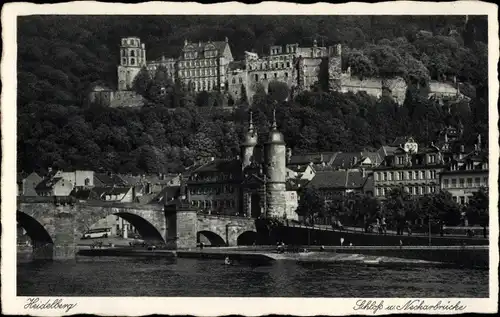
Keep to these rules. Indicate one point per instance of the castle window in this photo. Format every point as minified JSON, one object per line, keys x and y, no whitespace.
{"x":240,"y":80}
{"x":282,"y":65}
{"x":124,"y":61}
{"x":256,"y":77}
{"x":286,"y":75}
{"x":132,"y":61}
{"x":265,"y":76}
{"x":234,"y":80}
{"x":277,"y":65}
{"x":132,"y":53}
{"x":275,"y":75}
{"x":124,"y":53}
{"x":287,"y":64}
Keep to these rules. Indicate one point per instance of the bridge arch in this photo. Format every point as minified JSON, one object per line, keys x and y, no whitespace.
{"x":41,"y":240}
{"x":145,"y":228}
{"x":247,"y":238}
{"x":210,"y":238}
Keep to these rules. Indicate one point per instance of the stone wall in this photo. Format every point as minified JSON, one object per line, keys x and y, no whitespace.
{"x":126,"y":99}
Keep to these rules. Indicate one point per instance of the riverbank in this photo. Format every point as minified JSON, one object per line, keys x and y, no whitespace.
{"x":468,"y":256}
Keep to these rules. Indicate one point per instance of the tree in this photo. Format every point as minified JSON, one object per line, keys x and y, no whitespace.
{"x":142,"y":82}
{"x":278,"y":91}
{"x":478,"y":209}
{"x":360,"y":64}
{"x":311,"y":204}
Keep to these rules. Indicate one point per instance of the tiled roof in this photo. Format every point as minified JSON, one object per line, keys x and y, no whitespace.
{"x":220,"y":165}
{"x":386,"y":150}
{"x":48,"y":183}
{"x":337,"y":179}
{"x":299,"y":168}
{"x":109,"y":180}
{"x":101,"y":191}
{"x":200,"y":46}
{"x":315,"y":158}
{"x":296,"y":184}
{"x":236,"y":65}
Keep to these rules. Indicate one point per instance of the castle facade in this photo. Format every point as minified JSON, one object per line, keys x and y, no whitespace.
{"x":210,"y":66}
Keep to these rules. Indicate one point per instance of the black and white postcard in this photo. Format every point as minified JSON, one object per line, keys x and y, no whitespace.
{"x":275,"y":158}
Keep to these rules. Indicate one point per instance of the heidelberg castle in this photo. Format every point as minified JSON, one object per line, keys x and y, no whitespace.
{"x":210,"y":66}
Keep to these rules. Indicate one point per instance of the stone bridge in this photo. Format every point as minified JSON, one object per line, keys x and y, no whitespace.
{"x":56,"y":229}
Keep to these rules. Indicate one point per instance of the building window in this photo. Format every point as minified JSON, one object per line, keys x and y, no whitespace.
{"x":462,"y":182}
{"x":410,"y":175}
{"x":485,"y":180}
{"x":453,"y":182}
{"x":416,"y":175}
{"x":389,"y":176}
{"x":265,"y":76}
{"x":469,"y":182}
{"x":401,"y":176}
{"x":477,"y":182}
{"x":384,"y":176}
{"x":234,"y":80}
{"x":432,"y":158}
{"x":382,"y":190}
{"x":275,"y":75}
{"x":432,"y":174}
{"x":287,"y":64}
{"x":462,"y":200}
{"x":376,"y":176}
{"x":445,"y":183}
{"x":422,"y":190}
{"x":132,"y":61}
{"x":256,"y":77}
{"x":433,"y":189}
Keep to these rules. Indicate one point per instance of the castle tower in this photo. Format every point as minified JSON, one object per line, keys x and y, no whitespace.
{"x":275,"y":172}
{"x":249,"y":143}
{"x":132,"y":58}
{"x":335,"y":67}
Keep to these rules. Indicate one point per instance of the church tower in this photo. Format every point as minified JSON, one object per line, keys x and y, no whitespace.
{"x":132,"y":59}
{"x":248,"y":145}
{"x":275,"y":172}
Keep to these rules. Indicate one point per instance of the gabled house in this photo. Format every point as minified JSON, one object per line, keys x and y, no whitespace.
{"x":54,"y":186}
{"x":26,"y":185}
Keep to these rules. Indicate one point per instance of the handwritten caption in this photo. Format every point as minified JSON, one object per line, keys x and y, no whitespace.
{"x":375,"y":306}
{"x":56,"y":304}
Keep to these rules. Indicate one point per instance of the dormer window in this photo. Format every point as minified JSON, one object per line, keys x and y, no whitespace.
{"x":400,"y":160}
{"x":432,"y":158}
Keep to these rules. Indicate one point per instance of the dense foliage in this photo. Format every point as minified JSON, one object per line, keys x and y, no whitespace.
{"x":361,"y":210}
{"x":60,"y":57}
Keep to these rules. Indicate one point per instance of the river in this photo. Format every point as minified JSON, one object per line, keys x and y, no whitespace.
{"x":118,"y":276}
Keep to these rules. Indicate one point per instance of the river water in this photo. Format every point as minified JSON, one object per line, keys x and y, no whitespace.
{"x":113,"y":276}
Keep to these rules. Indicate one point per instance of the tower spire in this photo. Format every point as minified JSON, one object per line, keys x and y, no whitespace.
{"x":274,"y":125}
{"x":250,"y":121}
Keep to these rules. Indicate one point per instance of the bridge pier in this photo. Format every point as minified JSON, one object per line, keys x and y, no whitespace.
{"x":182,"y":223}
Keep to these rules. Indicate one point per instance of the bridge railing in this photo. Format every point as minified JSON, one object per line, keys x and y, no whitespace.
{"x":220,"y":215}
